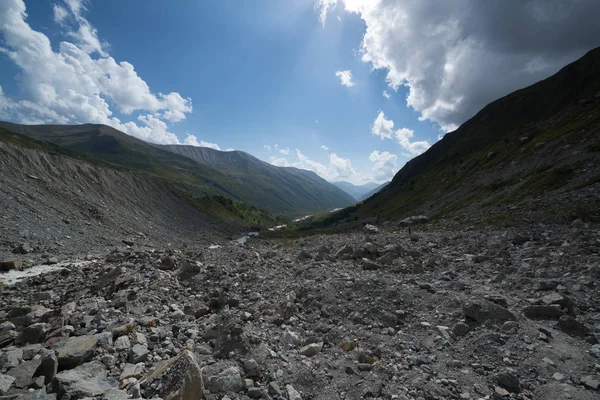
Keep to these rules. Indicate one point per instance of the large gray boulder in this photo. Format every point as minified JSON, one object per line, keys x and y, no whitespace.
{"x":76,"y":350}
{"x":87,"y":380}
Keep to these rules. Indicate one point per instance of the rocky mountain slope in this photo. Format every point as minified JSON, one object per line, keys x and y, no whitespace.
{"x":431,"y":315}
{"x":532,"y":154}
{"x":292,"y":189}
{"x":57,"y":204}
{"x":358,"y":192}
{"x":247,"y":179}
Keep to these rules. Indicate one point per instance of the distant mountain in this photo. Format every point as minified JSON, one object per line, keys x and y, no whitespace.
{"x":356,"y":191}
{"x":533,"y":155}
{"x":296,"y":189}
{"x":372,"y":192}
{"x":281,"y":191}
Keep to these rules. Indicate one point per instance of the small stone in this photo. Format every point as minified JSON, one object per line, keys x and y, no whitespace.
{"x":558,"y":376}
{"x":132,"y":371}
{"x":509,"y":381}
{"x":292,"y":393}
{"x":509,"y":326}
{"x":460,"y":329}
{"x":138,"y":353}
{"x":122,"y":343}
{"x":311,"y":349}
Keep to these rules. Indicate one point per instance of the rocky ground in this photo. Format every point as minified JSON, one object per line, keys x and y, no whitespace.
{"x":432,"y":314}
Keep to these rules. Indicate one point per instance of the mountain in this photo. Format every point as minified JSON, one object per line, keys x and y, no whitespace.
{"x":532,"y":155}
{"x":281,"y":191}
{"x":356,"y":191}
{"x":373,"y":191}
{"x":297,"y":190}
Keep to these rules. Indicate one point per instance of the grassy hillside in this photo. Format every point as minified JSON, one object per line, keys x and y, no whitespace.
{"x":533,"y":151}
{"x":291,"y":189}
{"x":218,"y":207}
{"x":116,"y":148}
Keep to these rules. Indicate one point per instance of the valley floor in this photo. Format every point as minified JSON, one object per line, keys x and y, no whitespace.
{"x":387,"y":315}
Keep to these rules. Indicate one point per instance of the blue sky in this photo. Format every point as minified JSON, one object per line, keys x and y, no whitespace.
{"x":260,"y":76}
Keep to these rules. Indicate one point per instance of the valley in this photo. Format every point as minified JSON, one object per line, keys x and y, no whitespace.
{"x":139,"y":270}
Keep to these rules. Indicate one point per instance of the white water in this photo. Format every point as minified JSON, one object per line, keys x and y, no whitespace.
{"x":11,"y":277}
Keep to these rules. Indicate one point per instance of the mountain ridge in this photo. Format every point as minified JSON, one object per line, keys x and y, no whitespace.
{"x":539,"y":140}
{"x":119,"y":149}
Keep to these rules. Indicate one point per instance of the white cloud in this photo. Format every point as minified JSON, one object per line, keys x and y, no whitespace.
{"x":285,"y":151}
{"x":457,"y":56}
{"x":324,"y":7}
{"x":338,"y":169}
{"x":266,"y":146}
{"x":325,"y":147}
{"x":386,"y":94}
{"x":384,"y":128}
{"x":385,"y":165}
{"x":192,"y":140}
{"x":79,"y":82}
{"x":345,"y":78}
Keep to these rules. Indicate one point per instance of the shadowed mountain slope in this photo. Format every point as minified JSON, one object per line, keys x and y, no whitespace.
{"x":534,"y":153}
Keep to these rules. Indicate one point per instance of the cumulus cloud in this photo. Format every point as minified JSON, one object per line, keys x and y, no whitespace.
{"x":192,"y":140}
{"x":345,"y":78}
{"x":386,"y":94}
{"x":385,"y":165}
{"x":80,"y":81}
{"x":325,"y":147}
{"x":384,"y":128}
{"x":457,"y":56}
{"x":285,"y":151}
{"x":338,"y":168}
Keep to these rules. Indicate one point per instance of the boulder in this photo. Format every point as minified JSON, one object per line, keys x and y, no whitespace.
{"x":181,"y":378}
{"x":34,"y":333}
{"x":484,"y":310}
{"x":10,"y":264}
{"x":543,"y":312}
{"x":228,"y":380}
{"x":6,"y":382}
{"x":572,"y":327}
{"x":24,"y":373}
{"x":370,"y":229}
{"x":11,"y":358}
{"x":87,"y":380}
{"x":311,"y":349}
{"x":76,"y":350}
{"x":413,"y":220}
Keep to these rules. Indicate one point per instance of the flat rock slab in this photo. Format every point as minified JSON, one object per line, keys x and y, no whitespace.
{"x":76,"y":350}
{"x":87,"y":380}
{"x":23,"y":373}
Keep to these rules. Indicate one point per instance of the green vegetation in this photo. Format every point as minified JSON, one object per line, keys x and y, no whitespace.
{"x":245,"y":179}
{"x":218,"y":207}
{"x":518,"y":147}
